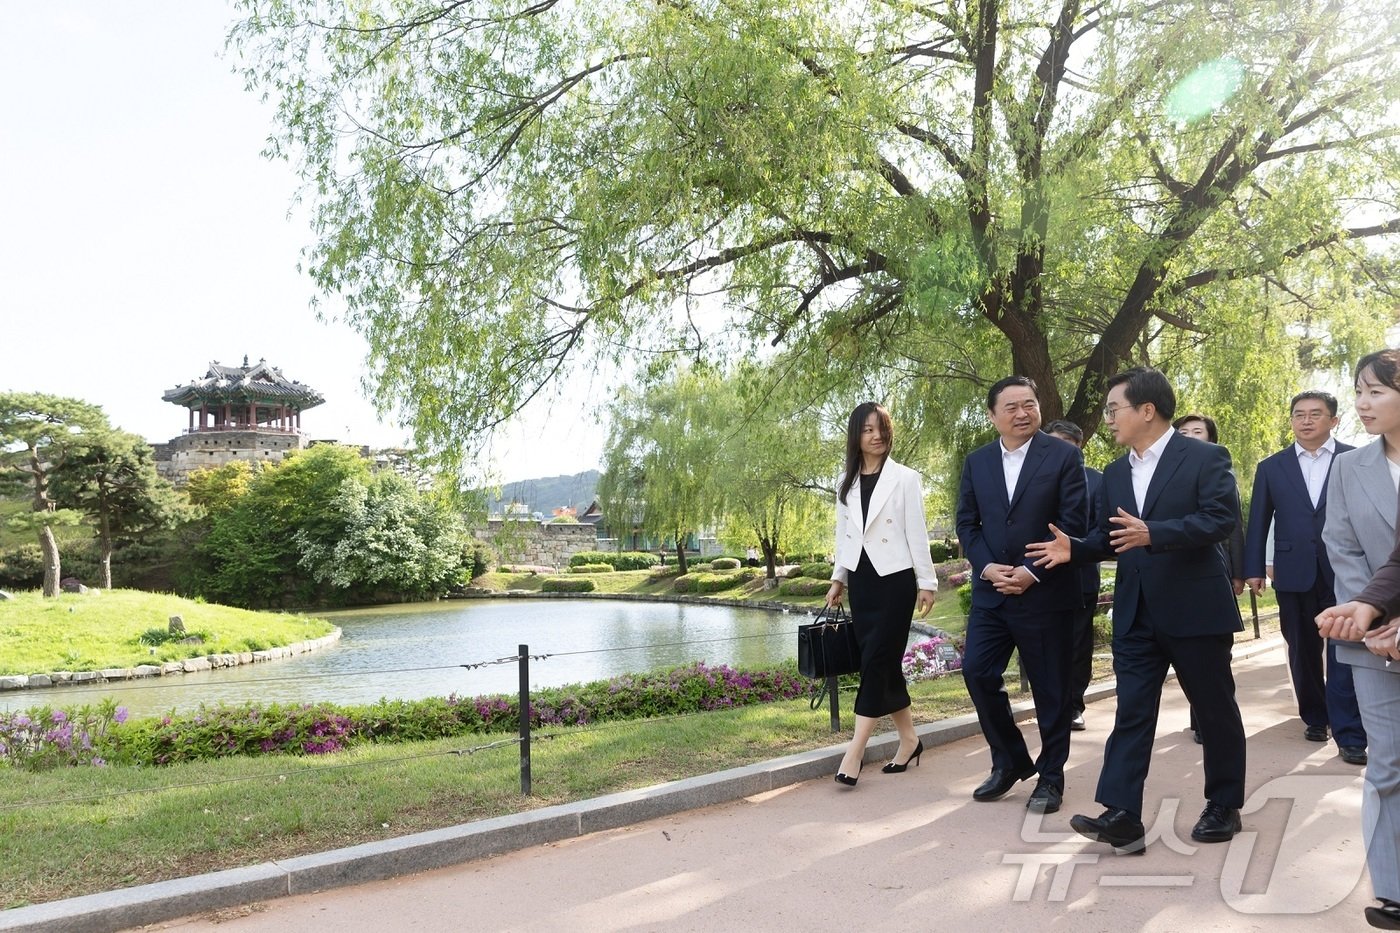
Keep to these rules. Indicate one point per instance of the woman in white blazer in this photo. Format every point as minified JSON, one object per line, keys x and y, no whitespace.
{"x":1359,"y":535}
{"x":882,"y":557}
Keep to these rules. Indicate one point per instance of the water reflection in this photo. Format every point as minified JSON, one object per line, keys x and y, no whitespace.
{"x":586,"y":640}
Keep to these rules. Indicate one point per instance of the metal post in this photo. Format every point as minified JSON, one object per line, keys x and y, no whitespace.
{"x":832,"y":692}
{"x":1254,"y":608}
{"x":525,"y":720}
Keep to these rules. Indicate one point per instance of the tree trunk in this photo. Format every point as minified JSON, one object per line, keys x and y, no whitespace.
{"x":51,"y":565}
{"x":770,"y":556}
{"x":680,"y":553}
{"x":105,"y":537}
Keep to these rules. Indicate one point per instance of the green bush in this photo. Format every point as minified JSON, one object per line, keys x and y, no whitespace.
{"x":725,"y":563}
{"x":483,"y":558}
{"x":567,"y":585}
{"x":302,"y":729}
{"x":941,"y":551}
{"x":804,"y":586}
{"x":625,"y":560}
{"x":727,"y":580}
{"x":685,"y":583}
{"x":658,"y":574}
{"x":22,"y":567}
{"x":590,"y":568}
{"x":820,"y":570}
{"x":965,"y":598}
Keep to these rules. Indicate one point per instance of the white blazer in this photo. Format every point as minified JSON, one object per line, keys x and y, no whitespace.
{"x":896,"y":535}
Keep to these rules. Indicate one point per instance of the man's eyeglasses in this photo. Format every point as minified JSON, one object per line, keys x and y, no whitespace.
{"x":1111,"y":411}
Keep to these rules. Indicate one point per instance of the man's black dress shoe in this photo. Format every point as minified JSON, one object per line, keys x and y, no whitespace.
{"x":1352,"y":754}
{"x":1217,"y":824}
{"x":1315,"y":733}
{"x":1196,"y":736}
{"x":1077,"y":723}
{"x":1000,"y":782}
{"x":1386,"y":916}
{"x":1115,"y":826}
{"x":1045,"y":798}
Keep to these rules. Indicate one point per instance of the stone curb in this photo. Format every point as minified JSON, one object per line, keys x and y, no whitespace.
{"x":374,"y":861}
{"x":188,"y":665}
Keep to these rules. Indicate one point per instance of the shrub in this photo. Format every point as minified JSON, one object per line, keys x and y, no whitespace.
{"x":22,"y":567}
{"x":626,"y":560}
{"x":965,"y":598}
{"x":725,"y":563}
{"x":945,"y":571}
{"x":941,"y":551}
{"x":483,"y":558}
{"x":717,"y":582}
{"x":590,"y":568}
{"x":804,"y":586}
{"x":820,"y":570}
{"x":252,"y":729}
{"x":658,"y":574}
{"x":532,"y":569}
{"x":567,"y":585}
{"x":45,"y":738}
{"x":922,"y":661}
{"x":685,"y":583}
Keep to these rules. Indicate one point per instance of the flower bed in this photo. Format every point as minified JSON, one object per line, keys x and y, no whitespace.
{"x":51,"y":738}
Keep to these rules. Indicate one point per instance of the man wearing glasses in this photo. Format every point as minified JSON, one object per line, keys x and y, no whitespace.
{"x":1164,"y":508}
{"x":1290,"y":492}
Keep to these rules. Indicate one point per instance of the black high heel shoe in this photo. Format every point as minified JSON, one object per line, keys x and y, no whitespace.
{"x":1386,"y":916}
{"x":844,"y":778}
{"x":893,"y":768}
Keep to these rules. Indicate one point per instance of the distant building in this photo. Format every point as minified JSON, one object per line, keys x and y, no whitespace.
{"x":236,"y":413}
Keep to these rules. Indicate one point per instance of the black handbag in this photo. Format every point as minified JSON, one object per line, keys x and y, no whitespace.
{"x":827,"y":646}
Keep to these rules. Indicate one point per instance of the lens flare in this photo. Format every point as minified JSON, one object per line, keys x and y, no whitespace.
{"x":1204,"y":90}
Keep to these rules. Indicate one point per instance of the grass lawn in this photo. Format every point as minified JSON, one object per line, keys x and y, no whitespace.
{"x":89,"y":631}
{"x":151,"y":824}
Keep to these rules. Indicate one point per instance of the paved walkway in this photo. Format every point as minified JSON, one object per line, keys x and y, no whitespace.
{"x":903,"y":851}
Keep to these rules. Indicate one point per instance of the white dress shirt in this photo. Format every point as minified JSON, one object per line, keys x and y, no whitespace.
{"x":1011,"y":463}
{"x":1315,"y":466}
{"x":1143,"y":467}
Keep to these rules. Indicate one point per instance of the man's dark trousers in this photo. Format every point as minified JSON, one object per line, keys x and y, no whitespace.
{"x":1141,"y":657}
{"x":1046,"y":648}
{"x":1321,"y":701}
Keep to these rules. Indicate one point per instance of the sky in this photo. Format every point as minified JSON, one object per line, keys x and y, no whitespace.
{"x":143,"y":235}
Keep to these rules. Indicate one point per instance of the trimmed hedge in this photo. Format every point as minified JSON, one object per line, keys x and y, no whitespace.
{"x":965,"y":598}
{"x":804,"y":586}
{"x":725,"y":563}
{"x":567,"y":585}
{"x":701,"y":581}
{"x":941,"y":551}
{"x":625,"y":560}
{"x":821,"y":570}
{"x":590,"y":568}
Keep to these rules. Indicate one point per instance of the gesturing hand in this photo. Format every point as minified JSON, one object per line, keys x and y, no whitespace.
{"x":1051,"y":553}
{"x":1131,"y":532}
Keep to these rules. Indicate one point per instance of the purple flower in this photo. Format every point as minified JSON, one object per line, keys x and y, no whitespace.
{"x":120,"y":715}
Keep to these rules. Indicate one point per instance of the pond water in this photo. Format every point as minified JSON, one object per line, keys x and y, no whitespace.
{"x":383,"y":651}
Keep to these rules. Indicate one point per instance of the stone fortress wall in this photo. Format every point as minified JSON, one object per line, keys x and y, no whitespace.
{"x":209,"y":450}
{"x":543,"y":544}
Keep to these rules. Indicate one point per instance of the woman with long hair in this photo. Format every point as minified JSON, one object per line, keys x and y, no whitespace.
{"x":882,"y":558}
{"x":1360,"y":535}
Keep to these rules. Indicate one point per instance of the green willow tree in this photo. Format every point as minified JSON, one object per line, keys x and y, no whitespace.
{"x":662,"y":467}
{"x":39,"y":434}
{"x":953,"y":189}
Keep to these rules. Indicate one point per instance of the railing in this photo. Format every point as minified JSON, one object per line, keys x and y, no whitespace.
{"x":261,"y":428}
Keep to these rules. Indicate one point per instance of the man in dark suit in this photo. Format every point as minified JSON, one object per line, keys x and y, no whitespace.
{"x":1082,"y":663}
{"x":1290,"y":493}
{"x":1011,"y":490}
{"x":1164,"y":508}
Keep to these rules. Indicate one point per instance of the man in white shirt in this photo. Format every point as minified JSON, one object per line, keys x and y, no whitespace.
{"x":1167,"y":505}
{"x":1290,"y":496}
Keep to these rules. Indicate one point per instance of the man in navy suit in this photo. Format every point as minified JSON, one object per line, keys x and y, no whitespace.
{"x":1164,"y":508}
{"x":1290,"y":492}
{"x":1082,"y":666}
{"x":1011,"y":490}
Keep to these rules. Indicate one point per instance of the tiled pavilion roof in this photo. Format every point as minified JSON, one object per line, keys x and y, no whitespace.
{"x":259,"y":383}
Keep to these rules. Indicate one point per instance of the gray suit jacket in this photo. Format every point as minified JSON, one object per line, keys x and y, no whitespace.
{"x":1360,"y":531}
